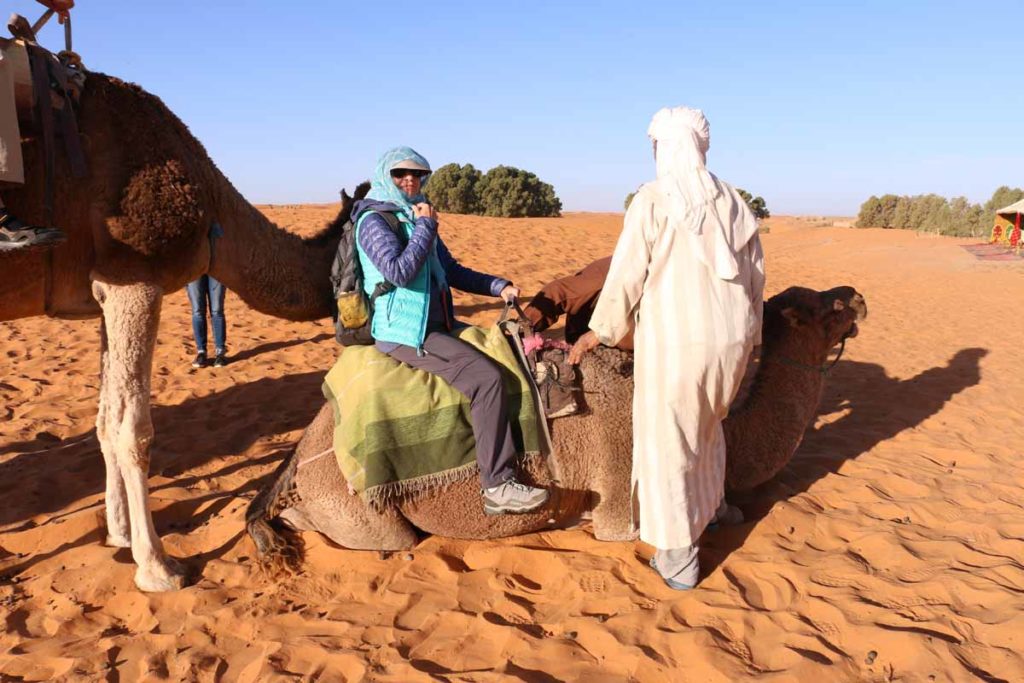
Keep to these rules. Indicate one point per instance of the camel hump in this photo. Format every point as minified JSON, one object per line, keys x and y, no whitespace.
{"x":160,"y":206}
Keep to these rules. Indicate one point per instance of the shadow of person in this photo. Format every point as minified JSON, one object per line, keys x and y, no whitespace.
{"x":187,"y":435}
{"x":877,"y":407}
{"x":267,"y":347}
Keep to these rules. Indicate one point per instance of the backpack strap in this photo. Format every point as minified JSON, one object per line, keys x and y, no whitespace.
{"x":384,"y":286}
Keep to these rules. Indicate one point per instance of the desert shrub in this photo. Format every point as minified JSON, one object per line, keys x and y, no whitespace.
{"x":932,"y":213}
{"x":453,"y":189}
{"x":756,"y":204}
{"x":514,"y":193}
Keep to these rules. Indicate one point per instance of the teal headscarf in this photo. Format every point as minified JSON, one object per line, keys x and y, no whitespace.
{"x":383,"y":188}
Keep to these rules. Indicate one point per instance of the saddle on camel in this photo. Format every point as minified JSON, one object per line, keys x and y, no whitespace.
{"x":38,"y":95}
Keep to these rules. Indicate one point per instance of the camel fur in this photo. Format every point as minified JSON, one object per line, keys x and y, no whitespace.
{"x":138,"y":227}
{"x":590,"y":469}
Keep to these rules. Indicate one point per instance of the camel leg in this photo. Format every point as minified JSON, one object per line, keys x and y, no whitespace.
{"x":118,"y":526}
{"x":131,"y":315}
{"x":612,"y":518}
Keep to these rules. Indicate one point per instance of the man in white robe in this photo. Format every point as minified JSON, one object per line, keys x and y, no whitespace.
{"x":688,"y":270}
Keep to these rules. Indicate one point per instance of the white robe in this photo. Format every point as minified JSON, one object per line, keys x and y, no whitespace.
{"x":694,"y":333}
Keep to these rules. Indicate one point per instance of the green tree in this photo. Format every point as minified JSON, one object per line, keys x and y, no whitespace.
{"x":514,"y":193}
{"x":453,"y":188}
{"x":887,"y":210}
{"x":901,"y":214}
{"x":1002,"y":197}
{"x":870,"y":213}
{"x":629,"y":200}
{"x":756,"y":204}
{"x":927,"y":212}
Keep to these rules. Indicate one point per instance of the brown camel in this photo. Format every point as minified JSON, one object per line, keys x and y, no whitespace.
{"x":591,"y":466}
{"x":139,"y":226}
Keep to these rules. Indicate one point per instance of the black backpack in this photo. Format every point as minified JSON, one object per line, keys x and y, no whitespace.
{"x":353,"y":313}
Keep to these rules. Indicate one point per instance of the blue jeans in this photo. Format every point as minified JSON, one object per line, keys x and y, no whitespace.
{"x":199,"y":291}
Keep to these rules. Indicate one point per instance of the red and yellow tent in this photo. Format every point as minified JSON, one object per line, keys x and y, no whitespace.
{"x":1008,"y":224}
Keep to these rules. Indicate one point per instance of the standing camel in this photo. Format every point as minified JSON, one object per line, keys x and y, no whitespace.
{"x":139,"y":225}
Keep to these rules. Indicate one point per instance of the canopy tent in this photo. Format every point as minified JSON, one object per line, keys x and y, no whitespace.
{"x":1015,"y":208}
{"x":1008,"y":224}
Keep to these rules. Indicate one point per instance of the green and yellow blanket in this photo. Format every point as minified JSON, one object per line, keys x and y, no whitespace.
{"x":400,"y":431}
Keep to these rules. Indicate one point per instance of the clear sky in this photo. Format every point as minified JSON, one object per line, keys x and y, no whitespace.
{"x":815,"y":106}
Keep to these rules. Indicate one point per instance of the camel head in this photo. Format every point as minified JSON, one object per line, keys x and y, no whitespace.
{"x":333,"y":229}
{"x":817,"y":319}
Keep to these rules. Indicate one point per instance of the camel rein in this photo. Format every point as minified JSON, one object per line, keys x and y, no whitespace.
{"x":820,"y":369}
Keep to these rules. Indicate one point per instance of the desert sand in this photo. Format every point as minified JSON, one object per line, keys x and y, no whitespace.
{"x":891,"y":548}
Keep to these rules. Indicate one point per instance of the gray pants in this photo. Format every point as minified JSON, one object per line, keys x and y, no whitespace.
{"x":682,"y":564}
{"x":479,"y":380}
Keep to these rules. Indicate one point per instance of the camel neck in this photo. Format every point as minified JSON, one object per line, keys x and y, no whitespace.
{"x":272,"y":270}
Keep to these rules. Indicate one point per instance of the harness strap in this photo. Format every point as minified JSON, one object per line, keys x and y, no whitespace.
{"x":68,"y":121}
{"x":303,"y":463}
{"x":43,"y":108}
{"x":821,"y":369}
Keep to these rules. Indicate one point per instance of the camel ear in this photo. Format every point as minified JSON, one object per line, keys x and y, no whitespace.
{"x":791,"y":314}
{"x":838,"y":305}
{"x":344,"y":196}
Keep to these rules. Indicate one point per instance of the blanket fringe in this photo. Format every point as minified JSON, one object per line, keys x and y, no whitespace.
{"x":392,"y":493}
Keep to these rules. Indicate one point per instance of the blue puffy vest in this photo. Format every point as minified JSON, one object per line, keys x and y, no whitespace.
{"x":400,"y":316}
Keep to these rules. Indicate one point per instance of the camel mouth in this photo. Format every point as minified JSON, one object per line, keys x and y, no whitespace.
{"x":853,"y":331}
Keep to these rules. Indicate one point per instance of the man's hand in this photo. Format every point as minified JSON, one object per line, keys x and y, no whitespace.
{"x":510,"y":293}
{"x":61,"y":6}
{"x":587,"y":342}
{"x":424,"y":210}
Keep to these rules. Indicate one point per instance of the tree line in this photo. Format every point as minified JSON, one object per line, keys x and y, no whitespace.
{"x":503,"y":191}
{"x":932,"y":213}
{"x":757,"y":204}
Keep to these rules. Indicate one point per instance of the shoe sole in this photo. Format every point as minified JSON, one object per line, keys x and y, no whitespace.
{"x":18,"y":246}
{"x":494,"y":511}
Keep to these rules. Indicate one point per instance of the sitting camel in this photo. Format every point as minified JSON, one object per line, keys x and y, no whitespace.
{"x":139,"y":225}
{"x":591,"y":465}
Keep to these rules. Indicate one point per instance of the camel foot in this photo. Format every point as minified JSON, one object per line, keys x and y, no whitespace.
{"x":115,"y":541}
{"x":160,"y":576}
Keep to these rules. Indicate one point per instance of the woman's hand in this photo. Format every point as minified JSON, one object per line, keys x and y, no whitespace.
{"x":510,"y":293}
{"x":587,"y":342}
{"x":424,"y":210}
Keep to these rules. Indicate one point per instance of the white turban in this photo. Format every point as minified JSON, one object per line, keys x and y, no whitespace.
{"x":695,"y":200}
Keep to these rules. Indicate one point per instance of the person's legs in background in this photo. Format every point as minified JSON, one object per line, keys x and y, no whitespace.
{"x":197,"y":293}
{"x":217,"y":292}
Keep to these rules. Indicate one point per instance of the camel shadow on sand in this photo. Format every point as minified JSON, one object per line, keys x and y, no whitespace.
{"x":49,"y":475}
{"x":877,"y":407}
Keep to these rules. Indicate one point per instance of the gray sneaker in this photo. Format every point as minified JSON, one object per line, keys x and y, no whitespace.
{"x":16,"y":235}
{"x":513,"y":497}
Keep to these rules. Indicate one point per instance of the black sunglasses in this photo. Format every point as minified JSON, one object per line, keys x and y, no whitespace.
{"x":402,"y":172}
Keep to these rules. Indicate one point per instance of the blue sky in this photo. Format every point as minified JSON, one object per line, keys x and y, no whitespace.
{"x":815,"y":106}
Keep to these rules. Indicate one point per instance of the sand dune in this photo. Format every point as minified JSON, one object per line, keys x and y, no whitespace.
{"x":892,"y":547}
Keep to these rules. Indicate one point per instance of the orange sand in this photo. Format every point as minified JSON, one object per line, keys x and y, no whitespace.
{"x":892,"y":548}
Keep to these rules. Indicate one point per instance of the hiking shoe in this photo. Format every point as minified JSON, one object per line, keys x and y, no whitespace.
{"x":513,"y":497}
{"x":200,"y":360}
{"x":16,"y":235}
{"x":220,"y":360}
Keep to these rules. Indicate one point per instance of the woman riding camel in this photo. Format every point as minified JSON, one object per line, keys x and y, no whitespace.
{"x":413,"y":322}
{"x":689,"y":272}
